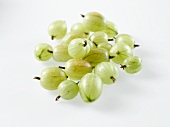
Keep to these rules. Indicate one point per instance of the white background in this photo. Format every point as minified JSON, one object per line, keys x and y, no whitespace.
{"x":139,"y":100}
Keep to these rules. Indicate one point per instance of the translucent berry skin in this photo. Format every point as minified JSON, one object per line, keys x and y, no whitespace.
{"x":94,"y":21}
{"x":90,"y":87}
{"x":111,"y":29}
{"x":75,"y":69}
{"x":96,"y":56}
{"x":104,"y":45}
{"x":132,"y":64}
{"x":68,"y":89}
{"x":119,"y":52}
{"x":98,"y":37}
{"x":107,"y":71}
{"x":51,"y":77}
{"x":78,"y":48}
{"x":41,"y":52}
{"x":125,"y":38}
{"x":73,"y":35}
{"x":57,"y":29}
{"x":60,"y":53}
{"x":79,"y":27}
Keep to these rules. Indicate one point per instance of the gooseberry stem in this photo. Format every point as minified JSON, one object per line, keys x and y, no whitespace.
{"x":111,"y":39}
{"x":123,"y":66}
{"x":85,"y":43}
{"x":57,"y":98}
{"x":110,"y":57}
{"x":95,"y":44}
{"x":117,"y":52}
{"x":50,"y":51}
{"x":82,"y":15}
{"x":36,"y":77}
{"x":113,"y":79}
{"x":86,"y":33}
{"x":52,"y":37}
{"x":61,"y":67}
{"x":136,"y":45}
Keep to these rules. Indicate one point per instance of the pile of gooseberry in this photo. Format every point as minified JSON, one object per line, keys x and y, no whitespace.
{"x":93,"y":53}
